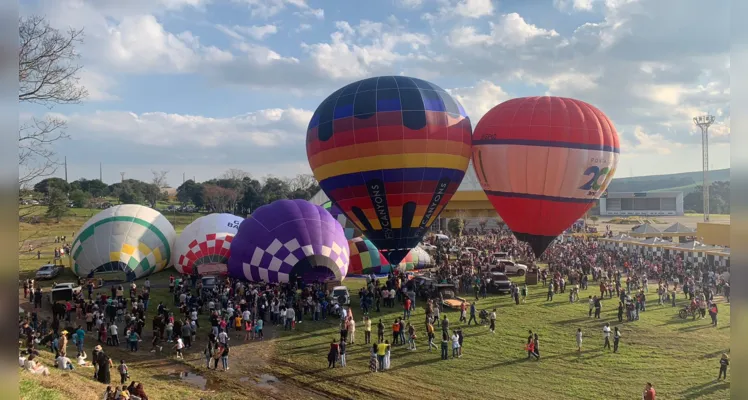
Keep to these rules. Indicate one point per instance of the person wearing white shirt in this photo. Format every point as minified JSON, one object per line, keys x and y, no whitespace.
{"x":290,"y":316}
{"x":246,"y":315}
{"x":579,"y":339}
{"x":606,"y":335}
{"x":114,"y":333}
{"x":223,"y":338}
{"x":64,"y":363}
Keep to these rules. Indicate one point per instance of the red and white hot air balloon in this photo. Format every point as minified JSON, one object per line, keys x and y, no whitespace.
{"x":543,"y":162}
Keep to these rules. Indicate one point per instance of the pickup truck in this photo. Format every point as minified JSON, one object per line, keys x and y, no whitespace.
{"x":509,"y":267}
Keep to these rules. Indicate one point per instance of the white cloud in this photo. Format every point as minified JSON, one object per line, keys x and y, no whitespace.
{"x":479,"y":99}
{"x":409,"y":3}
{"x":140,"y":44}
{"x":303,"y":27}
{"x":99,"y":86}
{"x":575,"y":5}
{"x":256,"y":32}
{"x":366,"y":49}
{"x":269,"y":8}
{"x":510,"y":31}
{"x":264,"y":128}
{"x":474,"y":8}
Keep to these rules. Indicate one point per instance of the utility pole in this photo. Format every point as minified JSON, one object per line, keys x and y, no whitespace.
{"x":703,"y":122}
{"x":123,"y":177}
{"x":101,"y":178}
{"x":66,"y":169}
{"x":182,"y":178}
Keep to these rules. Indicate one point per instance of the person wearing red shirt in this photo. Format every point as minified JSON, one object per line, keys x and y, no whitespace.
{"x":649,"y":392}
{"x":406,"y":308}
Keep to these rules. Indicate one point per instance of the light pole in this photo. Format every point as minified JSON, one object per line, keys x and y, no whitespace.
{"x":703,"y":122}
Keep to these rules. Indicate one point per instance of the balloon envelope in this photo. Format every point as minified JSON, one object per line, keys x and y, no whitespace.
{"x":543,"y":161}
{"x":366,"y":259}
{"x":123,"y":243}
{"x":203,"y":247}
{"x":350,"y":230}
{"x":289,"y":239}
{"x":390,"y":152}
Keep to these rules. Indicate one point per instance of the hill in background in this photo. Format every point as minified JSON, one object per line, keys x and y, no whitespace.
{"x":684,"y":181}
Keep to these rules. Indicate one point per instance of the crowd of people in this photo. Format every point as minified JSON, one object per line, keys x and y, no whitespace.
{"x":246,"y":309}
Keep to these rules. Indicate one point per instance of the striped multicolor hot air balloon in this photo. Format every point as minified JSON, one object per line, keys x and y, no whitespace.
{"x":366,"y":259}
{"x":543,"y":161}
{"x":390,"y":152}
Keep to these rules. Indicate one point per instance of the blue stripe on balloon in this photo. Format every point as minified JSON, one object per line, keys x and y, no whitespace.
{"x":539,"y":197}
{"x":393,"y":175}
{"x":389,"y":105}
{"x":548,"y":143}
{"x":343,"y":111}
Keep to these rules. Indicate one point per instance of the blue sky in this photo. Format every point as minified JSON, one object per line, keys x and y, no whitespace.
{"x":201,"y":86}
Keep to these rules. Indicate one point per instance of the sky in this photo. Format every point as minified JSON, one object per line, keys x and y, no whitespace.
{"x":196,"y":87}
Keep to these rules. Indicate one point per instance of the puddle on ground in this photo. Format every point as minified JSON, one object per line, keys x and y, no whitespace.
{"x":266,"y":381}
{"x":194,"y":379}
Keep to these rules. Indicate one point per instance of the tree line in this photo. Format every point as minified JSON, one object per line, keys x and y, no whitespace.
{"x":235,"y":192}
{"x":719,"y":199}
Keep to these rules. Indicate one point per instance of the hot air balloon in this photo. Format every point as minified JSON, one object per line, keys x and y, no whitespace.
{"x":366,"y":259}
{"x":350,"y":230}
{"x":286,"y":240}
{"x":123,"y":243}
{"x":390,"y":152}
{"x":543,"y":161}
{"x":203,"y":247}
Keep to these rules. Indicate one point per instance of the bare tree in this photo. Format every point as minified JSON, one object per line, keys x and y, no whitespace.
{"x":47,"y":75}
{"x":235,"y":174}
{"x":159,"y":179}
{"x":301,"y":182}
{"x":220,"y":199}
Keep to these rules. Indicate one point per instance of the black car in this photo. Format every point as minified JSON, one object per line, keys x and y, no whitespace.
{"x":208,"y":282}
{"x":499,"y":283}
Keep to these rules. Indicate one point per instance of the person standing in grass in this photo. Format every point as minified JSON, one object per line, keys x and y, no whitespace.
{"x":620,"y":311}
{"x":380,"y":331}
{"x":616,"y":339}
{"x":523,"y":293}
{"x":341,"y":347}
{"x":649,"y":392}
{"x":606,"y":336}
{"x":332,"y":355}
{"x":455,"y":344}
{"x":723,"y":363}
{"x":367,"y":330}
{"x":381,"y":353}
{"x":579,"y":339}
{"x":472,"y":314}
{"x":395,"y":332}
{"x":536,"y":345}
{"x":445,"y":346}
{"x":430,"y":333}
{"x":373,"y":358}
{"x":492,"y":328}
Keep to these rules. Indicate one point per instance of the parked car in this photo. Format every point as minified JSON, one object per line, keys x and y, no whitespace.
{"x":499,"y":283}
{"x":63,"y":292}
{"x":509,"y":267}
{"x":49,"y":271}
{"x":341,"y":296}
{"x":208,"y":283}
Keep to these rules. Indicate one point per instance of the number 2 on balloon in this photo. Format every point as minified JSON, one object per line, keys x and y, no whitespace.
{"x":596,"y":174}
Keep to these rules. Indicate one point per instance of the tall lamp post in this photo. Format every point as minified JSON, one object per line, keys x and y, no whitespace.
{"x":703,"y":122}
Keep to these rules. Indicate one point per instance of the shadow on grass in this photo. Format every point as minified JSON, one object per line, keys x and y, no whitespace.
{"x":716,"y":354}
{"x":693,"y":328}
{"x":696,"y":392}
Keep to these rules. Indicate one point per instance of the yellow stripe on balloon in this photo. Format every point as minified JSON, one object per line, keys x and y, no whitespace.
{"x":412,"y":160}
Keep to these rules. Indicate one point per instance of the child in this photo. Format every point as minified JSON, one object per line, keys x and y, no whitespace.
{"x":123,"y":372}
{"x":616,"y":339}
{"x":179,"y":346}
{"x":579,"y":339}
{"x":723,"y":363}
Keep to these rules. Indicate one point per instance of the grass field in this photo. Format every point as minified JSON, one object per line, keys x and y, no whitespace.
{"x":680,"y":357}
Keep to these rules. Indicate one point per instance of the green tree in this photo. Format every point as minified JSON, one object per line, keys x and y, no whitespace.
{"x":127,"y":194}
{"x":94,"y":187}
{"x":190,"y":191}
{"x":80,"y":198}
{"x":455,"y":226}
{"x":274,"y":189}
{"x":251,"y":198}
{"x":57,"y":206}
{"x":45,"y":185}
{"x":151,"y":193}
